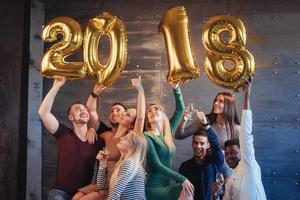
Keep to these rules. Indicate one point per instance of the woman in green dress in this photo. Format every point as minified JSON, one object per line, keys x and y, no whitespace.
{"x":161,"y":149}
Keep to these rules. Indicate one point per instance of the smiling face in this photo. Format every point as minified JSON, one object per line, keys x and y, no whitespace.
{"x":79,"y":114}
{"x":219,"y":104}
{"x":125,"y":144}
{"x":200,"y":146}
{"x":115,"y":111}
{"x":154,"y":114}
{"x":127,"y":118}
{"x":232,"y":155}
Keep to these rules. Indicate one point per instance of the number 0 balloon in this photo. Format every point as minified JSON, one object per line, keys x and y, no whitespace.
{"x":175,"y":28}
{"x":114,"y":28}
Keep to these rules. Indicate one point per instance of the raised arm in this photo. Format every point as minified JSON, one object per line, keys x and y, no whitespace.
{"x":91,"y":104}
{"x":246,"y":137}
{"x":141,"y":105}
{"x":174,"y":121}
{"x":184,"y":131}
{"x":218,"y":156}
{"x":247,"y":90}
{"x":48,"y":119}
{"x":154,"y":161}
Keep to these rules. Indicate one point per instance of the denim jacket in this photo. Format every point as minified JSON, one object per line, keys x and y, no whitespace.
{"x":202,"y":176}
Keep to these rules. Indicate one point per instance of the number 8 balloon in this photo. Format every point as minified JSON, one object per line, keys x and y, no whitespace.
{"x":174,"y":26}
{"x":234,"y":50}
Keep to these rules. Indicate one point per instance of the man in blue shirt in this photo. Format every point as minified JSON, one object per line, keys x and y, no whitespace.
{"x":208,"y":157}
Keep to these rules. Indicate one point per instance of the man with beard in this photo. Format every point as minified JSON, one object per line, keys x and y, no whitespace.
{"x":95,"y":123}
{"x":98,"y":129}
{"x":75,"y":156}
{"x":245,"y":181}
{"x":208,"y":157}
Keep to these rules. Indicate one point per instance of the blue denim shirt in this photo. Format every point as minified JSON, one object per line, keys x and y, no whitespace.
{"x":202,"y":176}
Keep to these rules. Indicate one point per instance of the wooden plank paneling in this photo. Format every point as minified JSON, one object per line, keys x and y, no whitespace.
{"x":13,"y":95}
{"x":281,"y":188}
{"x":35,"y":91}
{"x":272,"y":37}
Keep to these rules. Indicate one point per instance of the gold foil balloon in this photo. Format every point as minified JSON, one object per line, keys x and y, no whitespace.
{"x":114,"y":28}
{"x":174,"y":26}
{"x":53,"y":62}
{"x":219,"y":51}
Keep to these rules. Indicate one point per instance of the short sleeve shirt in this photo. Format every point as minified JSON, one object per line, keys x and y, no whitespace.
{"x":75,"y":160}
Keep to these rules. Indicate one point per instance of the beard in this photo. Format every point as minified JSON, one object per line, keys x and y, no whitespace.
{"x":200,"y":154}
{"x":232,"y":163}
{"x":81,"y":120}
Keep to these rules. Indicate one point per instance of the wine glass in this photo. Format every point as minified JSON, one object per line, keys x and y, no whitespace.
{"x":191,"y":109}
{"x":105,"y":153}
{"x":220,"y":180}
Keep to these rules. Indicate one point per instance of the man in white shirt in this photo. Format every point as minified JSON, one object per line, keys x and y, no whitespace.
{"x":245,"y":182}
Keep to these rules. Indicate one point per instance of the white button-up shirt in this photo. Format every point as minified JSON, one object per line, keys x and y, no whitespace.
{"x":245,"y":182}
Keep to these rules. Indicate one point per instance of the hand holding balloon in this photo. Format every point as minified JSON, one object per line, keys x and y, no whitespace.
{"x":59,"y":81}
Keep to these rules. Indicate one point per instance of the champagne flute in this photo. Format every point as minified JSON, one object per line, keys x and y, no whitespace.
{"x":220,"y":180}
{"x":105,"y":153}
{"x":102,"y":157}
{"x":191,"y":109}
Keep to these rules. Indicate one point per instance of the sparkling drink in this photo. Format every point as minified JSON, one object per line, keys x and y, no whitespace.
{"x":220,"y":180}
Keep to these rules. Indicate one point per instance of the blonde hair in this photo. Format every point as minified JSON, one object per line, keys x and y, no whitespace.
{"x":167,"y":134}
{"x":137,"y":154}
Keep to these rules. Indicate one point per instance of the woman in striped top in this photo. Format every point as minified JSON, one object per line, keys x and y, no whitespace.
{"x":128,"y":179}
{"x":132,"y":118}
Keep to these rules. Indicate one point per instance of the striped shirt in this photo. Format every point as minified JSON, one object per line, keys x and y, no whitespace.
{"x":130,"y":182}
{"x":104,"y":175}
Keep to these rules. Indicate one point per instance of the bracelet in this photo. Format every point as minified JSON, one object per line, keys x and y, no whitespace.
{"x":94,"y":95}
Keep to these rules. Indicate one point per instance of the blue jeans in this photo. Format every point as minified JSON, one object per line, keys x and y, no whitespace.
{"x":55,"y":194}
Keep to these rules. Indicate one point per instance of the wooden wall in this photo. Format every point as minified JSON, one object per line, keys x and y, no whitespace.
{"x":35,"y":95}
{"x":14,"y":59}
{"x":272,"y":37}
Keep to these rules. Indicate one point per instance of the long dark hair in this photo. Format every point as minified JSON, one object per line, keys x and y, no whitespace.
{"x":229,"y":114}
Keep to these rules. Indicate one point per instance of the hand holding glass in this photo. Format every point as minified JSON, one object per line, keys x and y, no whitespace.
{"x":103,"y":154}
{"x":190,"y":108}
{"x":220,"y":180}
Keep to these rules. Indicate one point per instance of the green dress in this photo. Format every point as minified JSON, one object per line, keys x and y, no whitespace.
{"x":159,"y":158}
